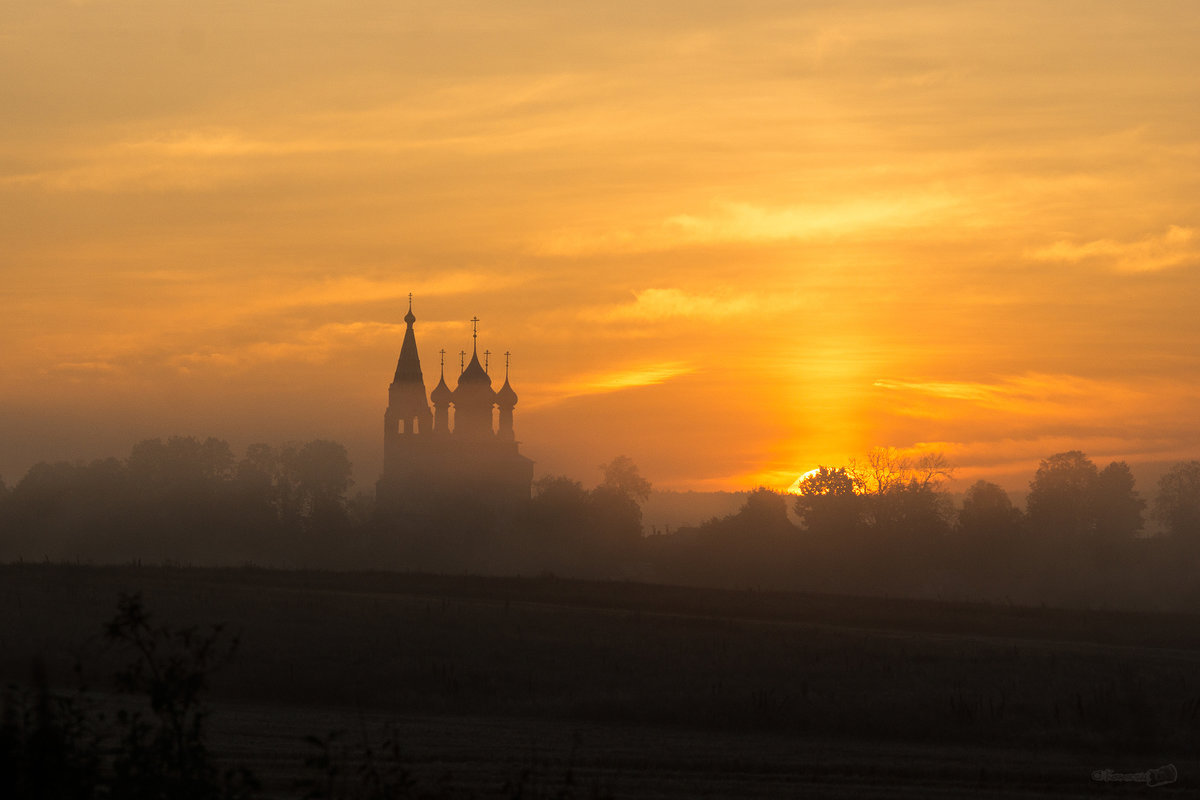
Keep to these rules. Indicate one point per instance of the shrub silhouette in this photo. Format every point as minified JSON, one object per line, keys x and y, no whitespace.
{"x":48,"y":745}
{"x":166,"y":755}
{"x":54,"y":746}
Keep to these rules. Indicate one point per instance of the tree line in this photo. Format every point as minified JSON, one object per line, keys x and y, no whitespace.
{"x":182,"y":499}
{"x":883,"y":524}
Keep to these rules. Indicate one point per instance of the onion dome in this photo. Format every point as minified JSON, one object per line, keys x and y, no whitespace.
{"x":474,"y":373}
{"x":506,"y":397}
{"x":441,"y":394}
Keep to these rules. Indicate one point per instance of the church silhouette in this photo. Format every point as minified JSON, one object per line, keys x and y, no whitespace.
{"x":427,"y":460}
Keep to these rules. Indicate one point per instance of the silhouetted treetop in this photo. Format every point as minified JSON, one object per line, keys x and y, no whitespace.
{"x":180,"y":460}
{"x":1061,"y":493}
{"x":1177,"y":505}
{"x":621,"y":476}
{"x":1116,"y":504}
{"x":1069,"y":496}
{"x":886,"y":469}
{"x":828,"y":502}
{"x":988,"y":511}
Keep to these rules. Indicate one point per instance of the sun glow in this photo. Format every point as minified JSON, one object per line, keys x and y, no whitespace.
{"x":795,"y":487}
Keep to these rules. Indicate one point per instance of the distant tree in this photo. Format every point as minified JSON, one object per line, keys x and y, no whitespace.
{"x":901,"y":495}
{"x":558,"y":501}
{"x":67,"y":509}
{"x":988,"y":511}
{"x":322,"y":471}
{"x":615,"y":516}
{"x":180,"y":460}
{"x":828,"y":502}
{"x":259,"y":464}
{"x":1062,"y":493}
{"x":44,"y":490}
{"x":881,"y":470}
{"x":556,"y":487}
{"x":305,"y":485}
{"x":930,"y":471}
{"x":1177,"y":505}
{"x":1070,"y":497}
{"x":911,"y":510}
{"x":556,"y":530}
{"x":621,"y":475}
{"x":765,"y":509}
{"x":1117,"y":506}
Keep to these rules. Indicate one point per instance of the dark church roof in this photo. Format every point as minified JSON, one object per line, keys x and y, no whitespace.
{"x":408,"y":367}
{"x":441,"y":393}
{"x":474,"y":373}
{"x":505,"y":396}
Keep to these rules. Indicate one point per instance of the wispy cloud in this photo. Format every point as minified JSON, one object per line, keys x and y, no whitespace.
{"x":314,"y":346}
{"x":1046,"y":396}
{"x":631,"y":377}
{"x":737,"y":222}
{"x":1175,"y":247}
{"x":650,"y":305}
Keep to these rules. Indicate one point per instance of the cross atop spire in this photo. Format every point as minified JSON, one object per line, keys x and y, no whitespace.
{"x":410,"y":301}
{"x":506,"y":357}
{"x":474,"y":332}
{"x":486,"y":354}
{"x":462,"y":361}
{"x":442,"y":353}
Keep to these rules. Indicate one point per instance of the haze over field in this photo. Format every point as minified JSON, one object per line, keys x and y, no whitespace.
{"x":732,"y":241}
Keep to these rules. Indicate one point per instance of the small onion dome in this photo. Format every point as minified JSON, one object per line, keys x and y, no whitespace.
{"x":474,"y":373}
{"x":506,"y":397}
{"x":409,"y":318}
{"x":441,"y":394}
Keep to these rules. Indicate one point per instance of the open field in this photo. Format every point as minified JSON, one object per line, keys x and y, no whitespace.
{"x":651,"y":691}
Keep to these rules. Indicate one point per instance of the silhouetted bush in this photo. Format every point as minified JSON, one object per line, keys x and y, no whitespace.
{"x":60,"y":746}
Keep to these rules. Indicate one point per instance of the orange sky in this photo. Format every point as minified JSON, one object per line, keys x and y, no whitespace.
{"x":730,"y":240}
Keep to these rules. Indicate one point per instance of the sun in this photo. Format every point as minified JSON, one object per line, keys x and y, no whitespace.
{"x":795,"y":487}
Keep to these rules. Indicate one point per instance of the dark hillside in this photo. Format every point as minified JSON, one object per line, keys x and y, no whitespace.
{"x":1090,"y":686}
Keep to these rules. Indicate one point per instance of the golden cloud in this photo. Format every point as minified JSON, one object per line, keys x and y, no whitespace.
{"x":631,"y":377}
{"x":735,"y":222}
{"x":659,"y":304}
{"x":1173,"y":248}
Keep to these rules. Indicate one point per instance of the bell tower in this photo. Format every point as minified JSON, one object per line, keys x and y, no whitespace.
{"x":408,"y":413}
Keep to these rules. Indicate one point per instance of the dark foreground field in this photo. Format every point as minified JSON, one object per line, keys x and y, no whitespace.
{"x":649,"y":691}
